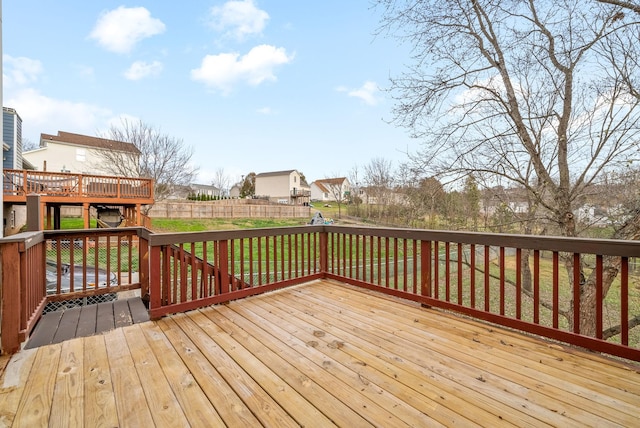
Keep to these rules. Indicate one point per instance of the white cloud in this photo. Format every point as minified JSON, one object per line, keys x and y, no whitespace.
{"x":224,"y":70}
{"x":366,"y":93}
{"x":141,"y":69}
{"x":120,"y":29}
{"x":50,"y":115}
{"x":238,"y":19}
{"x":265,"y":110}
{"x":20,"y":71}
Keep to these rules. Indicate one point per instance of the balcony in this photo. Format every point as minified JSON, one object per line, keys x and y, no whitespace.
{"x":346,"y":326}
{"x":60,"y":187}
{"x":299,"y":193}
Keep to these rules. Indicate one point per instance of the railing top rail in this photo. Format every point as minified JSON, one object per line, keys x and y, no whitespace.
{"x":32,"y":173}
{"x":611,"y":247}
{"x":217,"y":235}
{"x":28,"y":238}
{"x":51,"y":234}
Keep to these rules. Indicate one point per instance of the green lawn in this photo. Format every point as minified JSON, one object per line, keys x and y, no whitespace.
{"x":195,"y":225}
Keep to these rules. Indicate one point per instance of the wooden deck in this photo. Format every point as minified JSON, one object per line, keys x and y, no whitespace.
{"x":319,"y":354}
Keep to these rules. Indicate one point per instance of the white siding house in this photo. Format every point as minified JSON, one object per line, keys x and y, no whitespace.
{"x":68,"y":152}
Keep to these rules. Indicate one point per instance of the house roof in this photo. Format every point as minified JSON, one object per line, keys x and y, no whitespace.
{"x":321,"y":186}
{"x":287,"y":172}
{"x":328,"y":182}
{"x":85,"y":140}
{"x":275,"y":173}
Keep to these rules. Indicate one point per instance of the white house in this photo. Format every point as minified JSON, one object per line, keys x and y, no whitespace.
{"x":331,"y":189}
{"x":80,"y":154}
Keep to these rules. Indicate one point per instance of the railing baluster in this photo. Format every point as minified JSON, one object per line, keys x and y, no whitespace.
{"x":447,"y":269}
{"x":536,"y":287}
{"x":556,"y":289}
{"x":487,"y":268}
{"x":459,"y":267}
{"x":624,"y":301}
{"x":577,"y":279}
{"x":502,"y":285}
{"x":599,"y":299}
{"x":472,"y":269}
{"x":518,"y":283}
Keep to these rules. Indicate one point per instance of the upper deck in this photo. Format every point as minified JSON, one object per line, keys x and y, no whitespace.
{"x":74,"y":189}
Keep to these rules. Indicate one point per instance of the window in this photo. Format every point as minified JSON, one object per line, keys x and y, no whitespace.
{"x":81,"y":155}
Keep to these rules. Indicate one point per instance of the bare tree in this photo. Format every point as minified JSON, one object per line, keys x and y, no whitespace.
{"x":159,"y":156}
{"x":379,"y":180}
{"x":28,"y":145}
{"x":355,"y":197}
{"x":221,"y":181}
{"x":539,"y":94}
{"x":337,"y":190}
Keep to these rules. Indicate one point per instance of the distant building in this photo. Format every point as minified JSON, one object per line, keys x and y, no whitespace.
{"x":331,"y":189}
{"x":208,"y":190}
{"x":283,"y":187}
{"x":11,"y":139}
{"x":76,"y":153}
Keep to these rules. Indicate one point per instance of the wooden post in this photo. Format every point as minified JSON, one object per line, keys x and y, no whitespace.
{"x":34,"y":213}
{"x":155,"y":296}
{"x":143,"y":255}
{"x":57,"y":218}
{"x":10,"y":297}
{"x":138,"y":215}
{"x":86,"y":215}
{"x":223,"y":265}
{"x":425,"y":268}
{"x":324,"y":249}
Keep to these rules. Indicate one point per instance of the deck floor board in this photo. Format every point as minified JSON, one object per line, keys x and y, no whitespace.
{"x":318,"y":354}
{"x":87,"y":320}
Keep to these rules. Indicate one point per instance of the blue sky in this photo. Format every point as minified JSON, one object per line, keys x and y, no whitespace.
{"x":251,"y":85}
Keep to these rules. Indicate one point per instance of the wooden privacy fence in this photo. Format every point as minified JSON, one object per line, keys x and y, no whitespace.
{"x":580,"y":291}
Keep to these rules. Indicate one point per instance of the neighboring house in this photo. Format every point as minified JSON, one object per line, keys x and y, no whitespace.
{"x":80,"y":154}
{"x":374,"y":195}
{"x":234,"y":192}
{"x":331,"y":189}
{"x":12,"y":139}
{"x":206,"y":190}
{"x":283,"y":187}
{"x":183,"y":192}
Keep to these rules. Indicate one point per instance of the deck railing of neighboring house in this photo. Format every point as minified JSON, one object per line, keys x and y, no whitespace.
{"x":25,"y":182}
{"x":480,"y":275}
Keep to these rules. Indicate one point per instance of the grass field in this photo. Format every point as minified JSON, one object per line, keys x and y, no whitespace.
{"x":161,"y":225}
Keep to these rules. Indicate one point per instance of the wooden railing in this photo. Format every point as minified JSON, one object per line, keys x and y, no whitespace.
{"x":540,"y":285}
{"x":19,"y":183}
{"x":49,"y":266}
{"x":199,"y":269}
{"x":485,"y":276}
{"x":23,"y":288}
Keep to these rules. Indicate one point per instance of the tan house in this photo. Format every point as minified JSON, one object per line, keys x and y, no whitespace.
{"x":76,"y":153}
{"x":283,"y":187}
